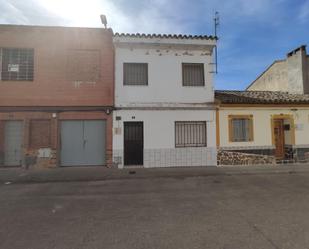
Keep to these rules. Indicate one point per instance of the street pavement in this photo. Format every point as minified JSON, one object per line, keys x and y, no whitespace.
{"x":224,"y":211}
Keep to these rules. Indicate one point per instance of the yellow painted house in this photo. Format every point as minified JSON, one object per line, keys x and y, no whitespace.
{"x":262,"y":127}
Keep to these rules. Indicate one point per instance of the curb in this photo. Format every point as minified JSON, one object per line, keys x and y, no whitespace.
{"x":35,"y":177}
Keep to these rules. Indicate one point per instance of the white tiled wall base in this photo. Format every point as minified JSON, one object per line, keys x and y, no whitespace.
{"x":177,"y":157}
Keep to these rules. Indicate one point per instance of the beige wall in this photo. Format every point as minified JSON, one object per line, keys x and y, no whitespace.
{"x":288,"y":75}
{"x":274,"y":79}
{"x":262,"y":124}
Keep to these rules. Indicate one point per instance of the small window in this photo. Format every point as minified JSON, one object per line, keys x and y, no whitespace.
{"x":190,"y":134}
{"x":193,"y":74}
{"x":17,"y":64}
{"x":240,"y":128}
{"x":40,"y":133}
{"x":135,"y":74}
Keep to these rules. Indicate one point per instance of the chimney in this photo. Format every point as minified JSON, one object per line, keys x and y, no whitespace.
{"x":297,"y":71}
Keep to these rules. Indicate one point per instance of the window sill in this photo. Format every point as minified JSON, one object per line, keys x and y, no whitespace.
{"x":17,"y":81}
{"x":196,"y":146}
{"x":194,"y":86}
{"x":135,"y":85}
{"x":250,"y":141}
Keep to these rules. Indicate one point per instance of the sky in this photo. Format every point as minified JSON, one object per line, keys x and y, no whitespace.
{"x":252,"y":33}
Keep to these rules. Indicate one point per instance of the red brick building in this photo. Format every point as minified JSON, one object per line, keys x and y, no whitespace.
{"x":56,"y":96}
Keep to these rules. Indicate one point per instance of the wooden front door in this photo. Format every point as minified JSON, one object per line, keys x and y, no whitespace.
{"x":279,"y":138}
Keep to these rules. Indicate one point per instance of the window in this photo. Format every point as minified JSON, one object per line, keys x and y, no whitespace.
{"x":17,"y":64}
{"x":240,"y":128}
{"x":193,"y":74}
{"x":40,"y":133}
{"x":190,"y":134}
{"x":135,"y":73}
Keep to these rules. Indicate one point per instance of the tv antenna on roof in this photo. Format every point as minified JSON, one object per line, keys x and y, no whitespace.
{"x":216,"y":23}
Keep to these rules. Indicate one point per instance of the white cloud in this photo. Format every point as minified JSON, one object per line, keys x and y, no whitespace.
{"x":149,"y":18}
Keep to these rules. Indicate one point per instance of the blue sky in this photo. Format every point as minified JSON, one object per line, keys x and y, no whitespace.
{"x":252,"y":33}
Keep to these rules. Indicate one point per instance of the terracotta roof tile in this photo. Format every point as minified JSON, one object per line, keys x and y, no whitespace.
{"x":172,"y":36}
{"x":260,"y":97}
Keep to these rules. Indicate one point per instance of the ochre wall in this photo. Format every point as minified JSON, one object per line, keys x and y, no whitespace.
{"x":262,"y":124}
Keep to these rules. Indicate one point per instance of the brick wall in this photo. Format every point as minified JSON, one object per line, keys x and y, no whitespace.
{"x":40,"y":133}
{"x":57,"y":80}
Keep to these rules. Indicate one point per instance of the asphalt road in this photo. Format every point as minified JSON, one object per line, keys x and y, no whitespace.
{"x":226,"y":212}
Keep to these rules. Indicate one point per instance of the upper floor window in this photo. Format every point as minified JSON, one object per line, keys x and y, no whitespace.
{"x":16,"y":64}
{"x":135,"y":74}
{"x":193,"y":74}
{"x":240,"y":128}
{"x":190,"y":134}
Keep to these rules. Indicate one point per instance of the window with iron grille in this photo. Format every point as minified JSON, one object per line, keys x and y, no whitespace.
{"x":16,"y":64}
{"x":190,"y":134}
{"x":240,"y":128}
{"x":193,"y":74}
{"x":135,"y":73}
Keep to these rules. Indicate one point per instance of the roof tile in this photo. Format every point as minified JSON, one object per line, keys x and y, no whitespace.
{"x":260,"y":97}
{"x":160,"y":36}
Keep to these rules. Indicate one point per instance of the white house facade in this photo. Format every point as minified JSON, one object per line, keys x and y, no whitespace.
{"x":164,"y":98}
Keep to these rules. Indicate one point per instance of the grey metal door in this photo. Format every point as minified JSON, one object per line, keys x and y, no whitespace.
{"x":83,"y":142}
{"x":13,"y":137}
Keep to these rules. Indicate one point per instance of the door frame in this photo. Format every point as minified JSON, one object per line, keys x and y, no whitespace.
{"x":124,"y":150}
{"x":283,"y":117}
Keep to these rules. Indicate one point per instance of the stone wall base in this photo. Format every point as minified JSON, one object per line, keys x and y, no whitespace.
{"x":239,"y":158}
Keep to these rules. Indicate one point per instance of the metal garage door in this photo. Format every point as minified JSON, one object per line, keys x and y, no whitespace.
{"x":13,"y":136}
{"x":83,"y":142}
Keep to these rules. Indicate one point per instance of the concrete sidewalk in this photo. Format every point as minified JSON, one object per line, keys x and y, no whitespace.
{"x":71,"y":174}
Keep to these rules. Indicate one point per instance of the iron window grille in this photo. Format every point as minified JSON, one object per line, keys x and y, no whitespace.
{"x":135,"y":74}
{"x":190,"y":134}
{"x":17,"y":64}
{"x":193,"y":74}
